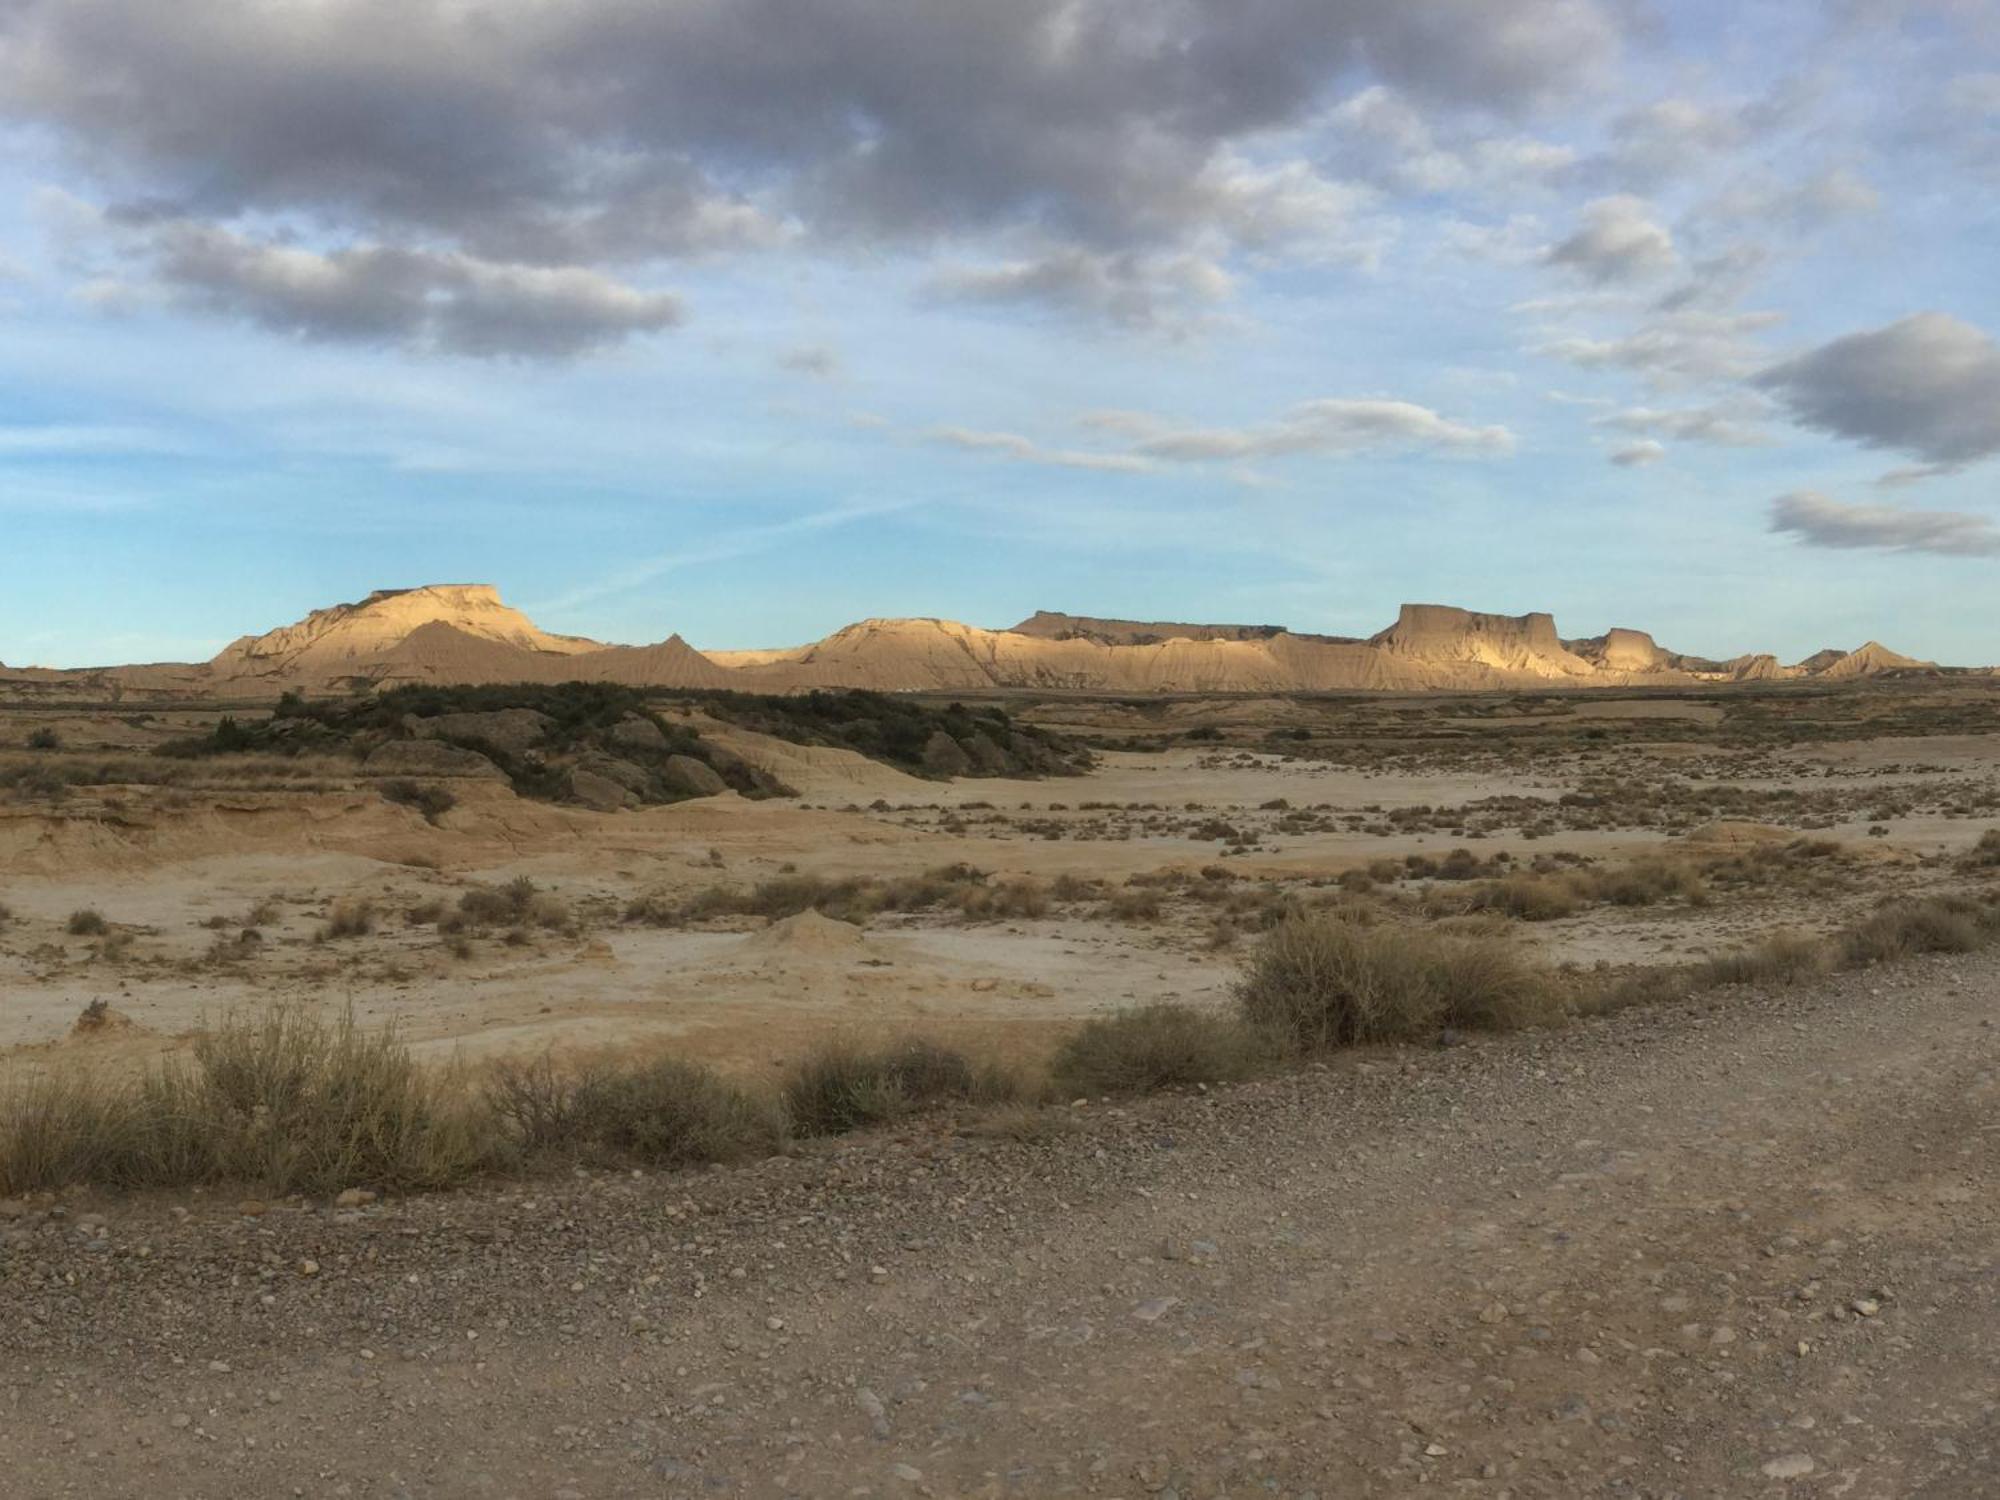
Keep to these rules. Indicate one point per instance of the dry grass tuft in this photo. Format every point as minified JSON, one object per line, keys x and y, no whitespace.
{"x":840,"y":1087}
{"x":663,"y":1112}
{"x":1325,"y":981}
{"x":287,"y":1102}
{"x":1163,"y":1046}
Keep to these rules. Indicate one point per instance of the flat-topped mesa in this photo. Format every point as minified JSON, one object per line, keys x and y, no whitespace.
{"x":1443,"y":633}
{"x":1055,"y":625}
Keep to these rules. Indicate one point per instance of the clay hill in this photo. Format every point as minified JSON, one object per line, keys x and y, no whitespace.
{"x":465,"y":634}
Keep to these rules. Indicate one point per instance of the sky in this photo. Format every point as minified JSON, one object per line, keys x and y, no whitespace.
{"x":745,"y":319}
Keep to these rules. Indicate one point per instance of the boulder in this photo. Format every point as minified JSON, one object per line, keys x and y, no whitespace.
{"x":635,"y":779}
{"x":638,"y":734}
{"x":512,"y":731}
{"x":685,"y":774}
{"x":944,"y":756}
{"x":599,"y":793}
{"x":429,"y":758}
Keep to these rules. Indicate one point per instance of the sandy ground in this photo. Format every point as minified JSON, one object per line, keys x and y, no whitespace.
{"x":1745,"y":1247}
{"x":162,"y":865}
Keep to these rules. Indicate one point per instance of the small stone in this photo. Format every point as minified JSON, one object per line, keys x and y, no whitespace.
{"x":908,"y":1473}
{"x":1791,"y":1466}
{"x":354,"y":1198}
{"x":253,"y":1208}
{"x":1156,"y":1309}
{"x":1493,"y":1312}
{"x":776,"y":1325}
{"x":181,"y":1421}
{"x":1866,"y":1306}
{"x":309,"y":1268}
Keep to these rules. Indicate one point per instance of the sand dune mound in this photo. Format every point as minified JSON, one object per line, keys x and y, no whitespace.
{"x":808,"y":935}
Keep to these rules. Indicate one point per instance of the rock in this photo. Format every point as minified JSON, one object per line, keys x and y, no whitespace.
{"x":872,"y":1408}
{"x":1791,"y":1466}
{"x":638,"y":733}
{"x":599,"y":793}
{"x":1493,"y":1312}
{"x":512,"y":731}
{"x":687,"y":775}
{"x":635,"y":779}
{"x":1156,"y":1309}
{"x":354,"y":1198}
{"x":429,"y":758}
{"x":944,"y":756}
{"x":1866,"y":1306}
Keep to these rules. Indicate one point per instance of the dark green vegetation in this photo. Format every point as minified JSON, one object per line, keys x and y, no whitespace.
{"x":608,"y":746}
{"x":905,"y":732}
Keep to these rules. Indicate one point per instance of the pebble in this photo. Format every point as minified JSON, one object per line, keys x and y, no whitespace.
{"x":1791,"y":1466}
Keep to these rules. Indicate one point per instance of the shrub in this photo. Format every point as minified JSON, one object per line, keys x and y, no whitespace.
{"x":1942,"y":924}
{"x":663,"y":1112}
{"x":349,"y":918}
{"x":1531,"y":898}
{"x":1787,"y":958}
{"x":839,"y":1087}
{"x":1328,"y":981}
{"x":44,"y":739}
{"x":86,"y":923}
{"x":286,"y":1102}
{"x":1160,"y":1046}
{"x":1985,"y":854}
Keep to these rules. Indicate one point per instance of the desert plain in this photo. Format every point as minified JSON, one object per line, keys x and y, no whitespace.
{"x":1719,"y":1221}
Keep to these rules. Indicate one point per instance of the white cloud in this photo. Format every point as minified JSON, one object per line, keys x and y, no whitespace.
{"x":1635,"y":455}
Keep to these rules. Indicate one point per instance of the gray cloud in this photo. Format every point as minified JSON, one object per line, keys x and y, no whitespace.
{"x":1134,"y":290}
{"x":1635,"y":455}
{"x":1618,"y":240}
{"x":815,"y":360}
{"x":599,"y":132}
{"x":1927,"y":386}
{"x":1819,"y":521}
{"x":1730,"y":424}
{"x":448,"y":303}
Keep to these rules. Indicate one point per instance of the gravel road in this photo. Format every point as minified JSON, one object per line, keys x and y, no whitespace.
{"x":1749,"y":1246}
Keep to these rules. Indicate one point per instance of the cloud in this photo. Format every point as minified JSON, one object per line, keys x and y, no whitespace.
{"x":1729,"y":424}
{"x":1819,"y":521}
{"x":1018,"y":449}
{"x":1927,"y":386}
{"x":815,"y":360}
{"x":1126,"y":289}
{"x":1379,"y":136}
{"x":1332,"y":426}
{"x":447,"y":302}
{"x":605,"y":134}
{"x":1689,"y":346}
{"x":1618,"y":241}
{"x":1636,"y":455}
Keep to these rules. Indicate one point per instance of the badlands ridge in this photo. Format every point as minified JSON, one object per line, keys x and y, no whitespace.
{"x":465,"y":634}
